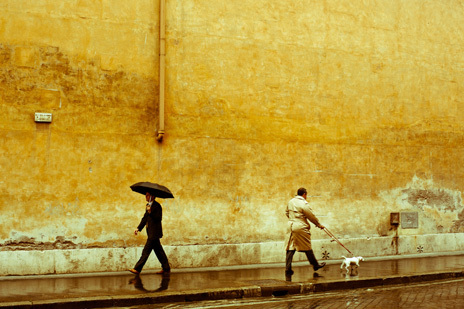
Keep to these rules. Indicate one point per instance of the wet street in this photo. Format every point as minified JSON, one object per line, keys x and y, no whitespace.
{"x":438,"y":294}
{"x":383,"y":283}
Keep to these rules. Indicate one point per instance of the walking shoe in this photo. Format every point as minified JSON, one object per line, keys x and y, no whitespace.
{"x":319,"y":266}
{"x":163,"y":272}
{"x":134,"y":271}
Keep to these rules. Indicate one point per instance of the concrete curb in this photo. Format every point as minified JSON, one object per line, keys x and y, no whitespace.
{"x":263,"y":289}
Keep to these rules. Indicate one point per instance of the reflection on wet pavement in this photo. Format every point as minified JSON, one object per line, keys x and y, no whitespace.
{"x":138,"y":284}
{"x":73,"y":286}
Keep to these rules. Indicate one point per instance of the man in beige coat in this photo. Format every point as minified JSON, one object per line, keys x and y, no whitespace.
{"x":299,"y":234}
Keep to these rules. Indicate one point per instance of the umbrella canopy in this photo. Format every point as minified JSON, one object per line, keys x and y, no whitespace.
{"x":153,"y":188}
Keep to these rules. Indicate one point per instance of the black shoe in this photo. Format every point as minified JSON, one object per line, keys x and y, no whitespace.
{"x":316,"y":275}
{"x":319,"y":266}
{"x":163,"y":272}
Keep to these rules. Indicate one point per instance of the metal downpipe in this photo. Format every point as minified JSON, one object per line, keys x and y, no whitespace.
{"x":162,"y":68}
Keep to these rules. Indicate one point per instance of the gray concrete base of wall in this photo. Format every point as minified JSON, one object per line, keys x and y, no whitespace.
{"x":33,"y":262}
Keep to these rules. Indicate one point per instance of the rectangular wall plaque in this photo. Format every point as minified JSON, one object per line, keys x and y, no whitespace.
{"x":409,"y":220}
{"x":43,"y":117}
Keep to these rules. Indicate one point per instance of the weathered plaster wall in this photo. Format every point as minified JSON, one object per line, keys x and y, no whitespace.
{"x":357,"y":101}
{"x":93,"y":65}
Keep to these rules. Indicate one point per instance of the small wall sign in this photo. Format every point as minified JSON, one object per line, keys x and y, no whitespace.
{"x":43,"y":117}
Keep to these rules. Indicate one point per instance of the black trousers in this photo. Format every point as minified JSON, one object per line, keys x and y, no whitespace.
{"x":155,"y":245}
{"x":289,"y":258}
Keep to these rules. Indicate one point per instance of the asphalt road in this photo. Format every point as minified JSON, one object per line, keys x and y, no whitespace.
{"x":436,"y":294}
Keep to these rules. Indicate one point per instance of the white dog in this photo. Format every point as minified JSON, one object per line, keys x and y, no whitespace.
{"x":348,"y":261}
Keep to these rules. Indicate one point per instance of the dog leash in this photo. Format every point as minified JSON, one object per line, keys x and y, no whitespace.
{"x":338,"y":241}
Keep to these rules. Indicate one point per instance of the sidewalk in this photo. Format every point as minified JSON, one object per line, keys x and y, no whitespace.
{"x":125,"y":289}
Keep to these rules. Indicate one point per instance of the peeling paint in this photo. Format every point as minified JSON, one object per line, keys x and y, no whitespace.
{"x":438,"y":198}
{"x":458,"y":226}
{"x":30,"y":243}
{"x":61,"y":242}
{"x":440,"y":209}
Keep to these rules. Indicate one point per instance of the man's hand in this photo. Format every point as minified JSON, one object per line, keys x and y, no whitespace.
{"x":136,"y":231}
{"x":321,"y":226}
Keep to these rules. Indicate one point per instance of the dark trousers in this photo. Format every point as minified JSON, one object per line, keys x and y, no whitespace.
{"x":288,"y":262}
{"x":155,"y":245}
{"x":289,"y":258}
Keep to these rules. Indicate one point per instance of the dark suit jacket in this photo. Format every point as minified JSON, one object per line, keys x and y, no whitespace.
{"x":153,"y":221}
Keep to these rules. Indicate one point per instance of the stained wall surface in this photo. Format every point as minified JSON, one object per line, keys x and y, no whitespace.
{"x":358,"y":101}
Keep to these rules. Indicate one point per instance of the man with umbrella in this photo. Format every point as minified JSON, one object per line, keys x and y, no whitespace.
{"x":152,"y":220}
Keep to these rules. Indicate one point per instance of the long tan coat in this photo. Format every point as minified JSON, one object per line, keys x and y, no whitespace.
{"x":298,"y":231}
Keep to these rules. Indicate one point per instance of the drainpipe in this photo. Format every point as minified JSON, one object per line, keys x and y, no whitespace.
{"x":162,"y":68}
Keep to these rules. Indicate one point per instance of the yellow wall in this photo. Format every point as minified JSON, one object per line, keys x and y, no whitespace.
{"x":358,"y":101}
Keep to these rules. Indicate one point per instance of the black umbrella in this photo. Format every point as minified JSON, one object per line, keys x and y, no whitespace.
{"x":153,"y":188}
